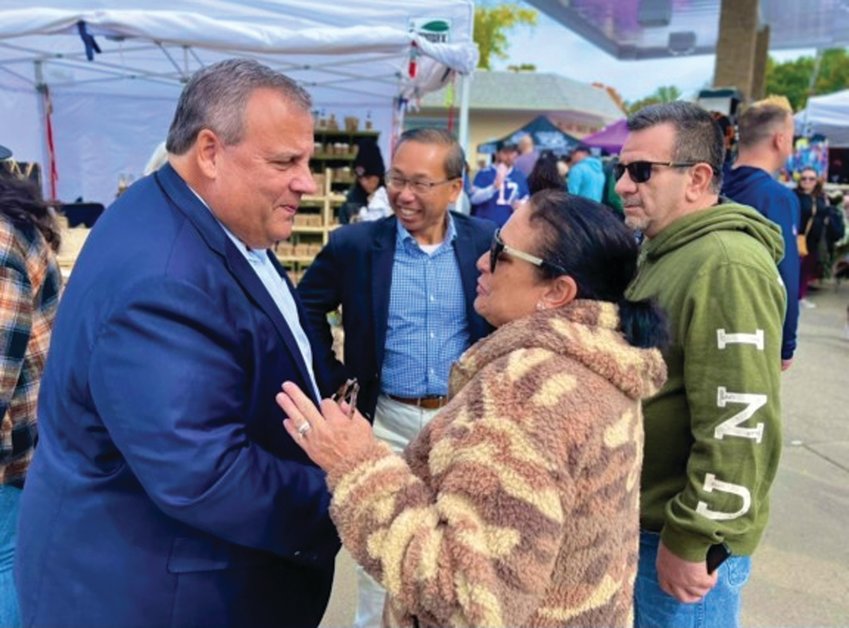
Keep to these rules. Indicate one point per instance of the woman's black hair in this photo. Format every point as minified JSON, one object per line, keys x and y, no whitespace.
{"x":600,"y":254}
{"x":545,"y":175}
{"x":20,"y":202}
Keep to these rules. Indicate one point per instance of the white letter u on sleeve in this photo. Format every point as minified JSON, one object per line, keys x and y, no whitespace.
{"x":711,"y":484}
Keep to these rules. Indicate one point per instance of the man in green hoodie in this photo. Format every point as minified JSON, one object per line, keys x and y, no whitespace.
{"x":713,"y":433}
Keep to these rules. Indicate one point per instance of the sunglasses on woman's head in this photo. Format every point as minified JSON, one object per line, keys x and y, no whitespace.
{"x":498,"y":247}
{"x":640,"y":171}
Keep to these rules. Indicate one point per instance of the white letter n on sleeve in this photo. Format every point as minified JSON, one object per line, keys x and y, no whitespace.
{"x":711,"y":484}
{"x":731,"y":427}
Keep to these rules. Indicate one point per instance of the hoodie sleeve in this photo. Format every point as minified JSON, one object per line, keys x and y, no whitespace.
{"x":731,"y":334}
{"x":482,"y":187}
{"x":784,"y":211}
{"x":575,"y":180}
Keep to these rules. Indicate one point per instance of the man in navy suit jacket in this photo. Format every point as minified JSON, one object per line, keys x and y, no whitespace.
{"x":164,"y":490}
{"x":407,"y":286}
{"x":355,"y":268}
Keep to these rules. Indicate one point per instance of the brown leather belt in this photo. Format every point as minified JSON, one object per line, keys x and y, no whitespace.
{"x":428,"y":403}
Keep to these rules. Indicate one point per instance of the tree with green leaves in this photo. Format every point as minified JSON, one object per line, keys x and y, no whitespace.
{"x":491,"y":26}
{"x":793,"y":78}
{"x":664,"y":93}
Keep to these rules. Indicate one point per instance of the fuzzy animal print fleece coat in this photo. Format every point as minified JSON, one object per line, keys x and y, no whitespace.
{"x":518,"y":504}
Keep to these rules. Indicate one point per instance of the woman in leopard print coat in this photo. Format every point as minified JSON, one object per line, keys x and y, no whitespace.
{"x":518,"y":504}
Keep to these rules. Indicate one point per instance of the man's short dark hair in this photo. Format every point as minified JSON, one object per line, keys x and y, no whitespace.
{"x":216,"y":96}
{"x":698,"y":137}
{"x":455,"y":159}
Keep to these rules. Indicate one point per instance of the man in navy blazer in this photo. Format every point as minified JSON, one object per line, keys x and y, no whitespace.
{"x":355,"y":268}
{"x":406,"y":285}
{"x":164,"y":490}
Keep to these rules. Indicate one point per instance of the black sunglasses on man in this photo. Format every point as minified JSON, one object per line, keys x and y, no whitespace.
{"x":640,"y":171}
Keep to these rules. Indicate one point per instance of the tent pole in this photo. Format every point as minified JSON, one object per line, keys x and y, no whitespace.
{"x":48,"y":159}
{"x":463,"y":126}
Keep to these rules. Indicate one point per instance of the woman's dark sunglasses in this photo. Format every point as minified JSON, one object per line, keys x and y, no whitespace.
{"x":640,"y":171}
{"x":498,"y":247}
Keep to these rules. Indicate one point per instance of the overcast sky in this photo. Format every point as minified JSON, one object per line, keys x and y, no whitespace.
{"x":552,"y":47}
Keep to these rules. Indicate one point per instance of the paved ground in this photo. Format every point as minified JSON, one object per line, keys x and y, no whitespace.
{"x":801,"y":571}
{"x":800,"y":577}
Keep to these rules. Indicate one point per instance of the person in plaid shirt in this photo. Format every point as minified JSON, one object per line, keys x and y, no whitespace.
{"x":29,"y":293}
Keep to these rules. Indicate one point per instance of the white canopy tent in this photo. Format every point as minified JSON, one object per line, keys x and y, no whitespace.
{"x":110,"y":71}
{"x":827,"y":115}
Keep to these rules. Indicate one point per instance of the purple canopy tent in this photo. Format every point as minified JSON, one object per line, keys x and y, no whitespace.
{"x":610,"y":138}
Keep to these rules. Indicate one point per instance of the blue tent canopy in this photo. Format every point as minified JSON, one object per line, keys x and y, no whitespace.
{"x":545,"y":134}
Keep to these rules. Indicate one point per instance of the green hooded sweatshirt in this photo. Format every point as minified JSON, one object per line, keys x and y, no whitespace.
{"x":713,"y":432}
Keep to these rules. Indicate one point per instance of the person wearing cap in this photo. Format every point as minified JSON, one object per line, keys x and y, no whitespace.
{"x":496,"y":190}
{"x":367,"y":199}
{"x":407,"y":286}
{"x":586,"y":174}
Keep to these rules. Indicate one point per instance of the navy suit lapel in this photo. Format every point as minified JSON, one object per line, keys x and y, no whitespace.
{"x":283,"y":327}
{"x":383,"y":254}
{"x":466,"y":253}
{"x":203,"y":220}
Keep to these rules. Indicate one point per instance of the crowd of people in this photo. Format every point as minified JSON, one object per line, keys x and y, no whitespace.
{"x":552,"y":412}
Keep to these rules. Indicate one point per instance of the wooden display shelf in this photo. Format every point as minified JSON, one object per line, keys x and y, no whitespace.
{"x":317,"y":200}
{"x":325,"y":132}
{"x":334,"y":157}
{"x":308,"y":229}
{"x":292,"y":259}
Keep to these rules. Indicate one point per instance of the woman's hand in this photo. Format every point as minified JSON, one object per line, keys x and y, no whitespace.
{"x":328,"y":437}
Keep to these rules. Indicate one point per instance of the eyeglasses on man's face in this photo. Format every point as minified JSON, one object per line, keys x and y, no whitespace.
{"x":641,"y":171}
{"x":498,"y":247}
{"x":397,"y":183}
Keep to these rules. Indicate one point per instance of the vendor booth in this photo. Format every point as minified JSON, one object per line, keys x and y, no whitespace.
{"x":827,"y":117}
{"x":89,"y":89}
{"x":610,"y":138}
{"x":545,"y":134}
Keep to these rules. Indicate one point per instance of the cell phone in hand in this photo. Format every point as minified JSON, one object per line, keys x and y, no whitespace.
{"x":716,"y":555}
{"x":348,"y":393}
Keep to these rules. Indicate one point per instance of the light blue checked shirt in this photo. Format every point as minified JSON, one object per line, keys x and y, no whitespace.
{"x":277,"y":289}
{"x":427,"y":328}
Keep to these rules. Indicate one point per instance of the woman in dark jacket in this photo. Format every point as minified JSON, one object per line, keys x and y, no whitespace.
{"x":368,"y":172}
{"x":814,"y":210}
